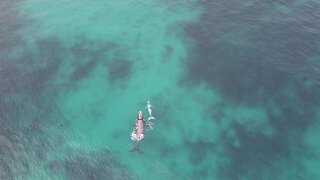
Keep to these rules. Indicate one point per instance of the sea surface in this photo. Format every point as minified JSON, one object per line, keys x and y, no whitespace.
{"x":234,"y":85}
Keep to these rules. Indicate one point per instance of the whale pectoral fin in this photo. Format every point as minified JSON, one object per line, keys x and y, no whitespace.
{"x":134,"y":136}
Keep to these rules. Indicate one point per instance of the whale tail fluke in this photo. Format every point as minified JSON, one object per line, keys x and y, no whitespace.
{"x":136,"y":149}
{"x":149,"y":125}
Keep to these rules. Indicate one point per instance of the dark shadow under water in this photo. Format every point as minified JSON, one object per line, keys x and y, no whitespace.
{"x":254,"y":56}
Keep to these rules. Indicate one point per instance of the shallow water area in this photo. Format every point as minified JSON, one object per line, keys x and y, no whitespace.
{"x":234,"y":88}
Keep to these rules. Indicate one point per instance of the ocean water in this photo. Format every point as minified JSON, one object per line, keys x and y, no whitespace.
{"x":234,"y":85}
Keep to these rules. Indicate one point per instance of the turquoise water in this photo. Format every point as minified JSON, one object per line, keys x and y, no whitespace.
{"x":234,"y":87}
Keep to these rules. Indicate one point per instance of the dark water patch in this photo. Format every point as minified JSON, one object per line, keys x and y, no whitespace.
{"x":244,"y":59}
{"x":199,"y":150}
{"x":54,"y":166}
{"x":5,"y":171}
{"x":33,"y":71}
{"x":240,"y":77}
{"x":291,"y":118}
{"x":11,"y":24}
{"x":89,"y":54}
{"x":255,"y":153}
{"x":255,"y":53}
{"x":27,"y":103}
{"x":50,"y":50}
{"x":85,"y":48}
{"x":307,"y":93}
{"x":119,"y":70}
{"x":13,"y":148}
{"x":7,"y":70}
{"x":83,"y":70}
{"x":39,"y":79}
{"x":217,"y":112}
{"x":168,"y":51}
{"x":295,"y":109}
